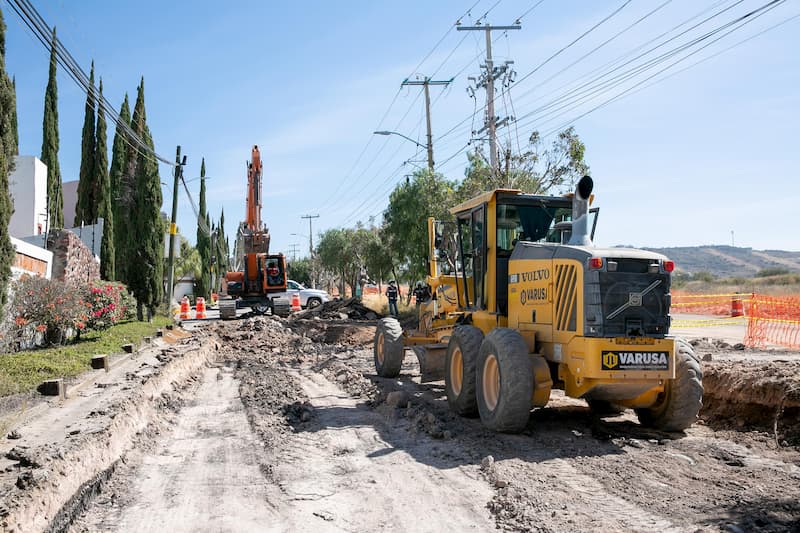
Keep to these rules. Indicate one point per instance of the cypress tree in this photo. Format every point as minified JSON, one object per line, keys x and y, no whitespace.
{"x":103,"y":179}
{"x":146,"y":272}
{"x":14,"y":123}
{"x":203,"y":285}
{"x":87,"y":205}
{"x":55,"y":197}
{"x":120,"y":209}
{"x":7,"y":151}
{"x":222,"y":246}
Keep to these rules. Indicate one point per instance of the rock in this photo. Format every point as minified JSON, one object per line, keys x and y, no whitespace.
{"x":431,"y":418}
{"x":739,"y":346}
{"x":127,"y":348}
{"x":397,"y":398}
{"x":447,"y":434}
{"x":14,"y":435}
{"x":487,"y":463}
{"x":500,"y":483}
{"x":707,"y":357}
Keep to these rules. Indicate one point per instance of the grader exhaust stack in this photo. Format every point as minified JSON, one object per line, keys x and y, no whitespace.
{"x":580,"y":213}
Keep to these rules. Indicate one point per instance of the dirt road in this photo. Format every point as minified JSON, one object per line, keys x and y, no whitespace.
{"x":293,"y":432}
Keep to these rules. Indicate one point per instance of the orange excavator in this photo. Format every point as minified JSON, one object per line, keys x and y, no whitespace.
{"x":262,"y":275}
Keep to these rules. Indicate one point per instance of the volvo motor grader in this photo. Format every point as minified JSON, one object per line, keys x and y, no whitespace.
{"x":262,"y":275}
{"x":527,"y":303}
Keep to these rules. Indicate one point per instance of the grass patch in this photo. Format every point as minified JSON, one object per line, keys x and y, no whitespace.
{"x":23,"y":371}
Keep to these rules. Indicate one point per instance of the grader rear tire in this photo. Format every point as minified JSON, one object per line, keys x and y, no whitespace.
{"x":678,"y":406}
{"x":388,"y":350}
{"x":459,"y":370}
{"x":504,"y":381}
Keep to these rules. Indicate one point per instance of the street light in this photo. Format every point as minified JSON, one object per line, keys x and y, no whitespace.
{"x":384,"y":132}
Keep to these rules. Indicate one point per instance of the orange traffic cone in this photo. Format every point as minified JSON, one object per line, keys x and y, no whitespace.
{"x":296,"y":302}
{"x":201,"y":309}
{"x":184,"y":308}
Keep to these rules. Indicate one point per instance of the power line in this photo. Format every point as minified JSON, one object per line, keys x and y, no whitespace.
{"x":742,"y":21}
{"x":604,"y":86}
{"x":42,"y":31}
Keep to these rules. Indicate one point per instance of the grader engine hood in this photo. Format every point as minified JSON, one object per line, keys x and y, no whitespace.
{"x":594,"y":292}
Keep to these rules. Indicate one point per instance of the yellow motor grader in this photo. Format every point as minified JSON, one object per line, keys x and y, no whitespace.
{"x":527,"y":303}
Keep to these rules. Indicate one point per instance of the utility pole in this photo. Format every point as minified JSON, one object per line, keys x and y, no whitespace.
{"x":487,"y":81}
{"x":173,"y":226}
{"x":426,"y":83}
{"x":293,"y":251}
{"x":311,"y":248}
{"x":310,"y":233}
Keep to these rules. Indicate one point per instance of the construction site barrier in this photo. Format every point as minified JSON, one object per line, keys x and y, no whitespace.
{"x":774,"y":320}
{"x":200,"y":308}
{"x":296,"y":306}
{"x":768,"y":319}
{"x":184,"y":308}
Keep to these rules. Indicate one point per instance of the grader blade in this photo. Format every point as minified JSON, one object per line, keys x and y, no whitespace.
{"x":431,"y":361}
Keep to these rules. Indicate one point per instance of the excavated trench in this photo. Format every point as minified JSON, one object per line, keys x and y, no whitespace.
{"x":340,"y":448}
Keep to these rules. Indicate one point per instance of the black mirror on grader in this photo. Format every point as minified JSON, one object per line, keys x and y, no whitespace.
{"x":528,"y":304}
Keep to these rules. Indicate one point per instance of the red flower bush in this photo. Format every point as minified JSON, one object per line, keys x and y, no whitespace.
{"x":46,"y":312}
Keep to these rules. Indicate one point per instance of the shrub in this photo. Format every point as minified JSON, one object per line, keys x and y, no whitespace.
{"x":46,"y":312}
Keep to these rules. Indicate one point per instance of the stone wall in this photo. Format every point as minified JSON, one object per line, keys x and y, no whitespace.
{"x":73,"y":261}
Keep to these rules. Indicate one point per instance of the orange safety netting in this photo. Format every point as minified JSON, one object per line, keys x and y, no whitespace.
{"x":710,"y":304}
{"x":773,"y":320}
{"x":769,"y":319}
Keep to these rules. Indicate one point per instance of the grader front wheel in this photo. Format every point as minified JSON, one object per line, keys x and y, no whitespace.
{"x":504,"y":381}
{"x":388,"y":349}
{"x":459,"y":375}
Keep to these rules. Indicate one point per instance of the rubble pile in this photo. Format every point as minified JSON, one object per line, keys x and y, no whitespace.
{"x":351,"y":309}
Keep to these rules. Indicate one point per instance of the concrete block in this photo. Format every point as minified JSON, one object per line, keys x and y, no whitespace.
{"x":127,"y":348}
{"x":159,"y":333}
{"x":53,"y":387}
{"x":100,"y":361}
{"x":148,"y":340}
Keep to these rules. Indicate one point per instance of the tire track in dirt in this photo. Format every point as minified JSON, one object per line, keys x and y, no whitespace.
{"x":337,"y":472}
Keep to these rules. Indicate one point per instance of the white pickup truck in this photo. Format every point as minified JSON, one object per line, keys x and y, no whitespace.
{"x":309,"y":298}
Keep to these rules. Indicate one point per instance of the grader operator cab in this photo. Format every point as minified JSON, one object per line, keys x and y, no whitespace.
{"x":527,"y":304}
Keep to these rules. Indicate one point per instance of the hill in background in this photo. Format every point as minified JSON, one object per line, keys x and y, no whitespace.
{"x":730,"y":261}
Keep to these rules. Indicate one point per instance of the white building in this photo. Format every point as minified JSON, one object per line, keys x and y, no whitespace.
{"x":28,"y":187}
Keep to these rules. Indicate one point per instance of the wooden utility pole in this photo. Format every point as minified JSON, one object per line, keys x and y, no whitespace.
{"x":426,"y":83}
{"x":173,"y":227}
{"x":311,"y":247}
{"x":487,"y":81}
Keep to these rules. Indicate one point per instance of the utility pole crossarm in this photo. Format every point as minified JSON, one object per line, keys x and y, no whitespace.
{"x":487,"y":81}
{"x":426,"y":83}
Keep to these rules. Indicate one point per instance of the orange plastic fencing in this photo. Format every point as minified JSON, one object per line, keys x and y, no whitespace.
{"x":773,"y":320}
{"x":711,"y":304}
{"x":769,"y":319}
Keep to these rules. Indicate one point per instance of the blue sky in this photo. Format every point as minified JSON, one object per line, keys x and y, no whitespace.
{"x":685,"y":162}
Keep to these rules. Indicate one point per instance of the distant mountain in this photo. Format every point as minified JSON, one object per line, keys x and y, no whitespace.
{"x":729,"y":261}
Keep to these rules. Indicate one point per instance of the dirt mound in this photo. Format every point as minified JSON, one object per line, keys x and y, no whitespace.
{"x":748,"y":394}
{"x":351,"y":308}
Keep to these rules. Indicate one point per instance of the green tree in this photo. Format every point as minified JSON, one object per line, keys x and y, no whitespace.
{"x":378,"y":258}
{"x":127,"y":245}
{"x":8,"y":148}
{"x":186,"y":264}
{"x":14,"y":121}
{"x":537,"y":170}
{"x":55,"y":198}
{"x":203,"y":281}
{"x":120,"y":193}
{"x":342,"y":252}
{"x":103,"y":179}
{"x":221,"y":251}
{"x":88,"y":204}
{"x":405,"y":229}
{"x":146,"y":271}
{"x":300,"y":271}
